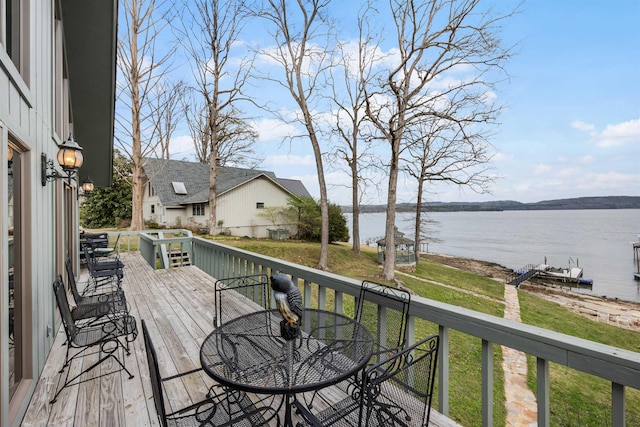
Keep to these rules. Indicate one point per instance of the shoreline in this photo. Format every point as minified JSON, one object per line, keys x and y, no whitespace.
{"x":612,"y":311}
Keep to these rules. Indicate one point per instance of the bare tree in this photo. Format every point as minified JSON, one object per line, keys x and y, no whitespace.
{"x":208,"y":32}
{"x":302,"y":49}
{"x":196,"y":116}
{"x":435,"y":39}
{"x":141,"y":71}
{"x":427,"y":234}
{"x":357,"y":61}
{"x":449,"y":151}
{"x":236,"y":138}
{"x":167,"y":114}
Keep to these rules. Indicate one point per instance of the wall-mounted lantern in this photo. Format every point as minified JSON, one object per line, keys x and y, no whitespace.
{"x":69,"y":158}
{"x":87,"y":186}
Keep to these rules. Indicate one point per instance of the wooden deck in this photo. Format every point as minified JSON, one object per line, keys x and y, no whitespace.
{"x":177,"y":306}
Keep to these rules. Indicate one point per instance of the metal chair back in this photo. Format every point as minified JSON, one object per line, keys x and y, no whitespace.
{"x":384,"y":311}
{"x":70,"y":328}
{"x":254,"y":287}
{"x":154,"y":374}
{"x":72,"y":281}
{"x":399,"y":390}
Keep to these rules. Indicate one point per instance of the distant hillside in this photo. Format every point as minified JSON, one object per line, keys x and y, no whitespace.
{"x":608,"y":202}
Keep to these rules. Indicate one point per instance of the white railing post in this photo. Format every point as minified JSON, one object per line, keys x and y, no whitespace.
{"x":306,"y":295}
{"x":322,"y":297}
{"x":339,"y":302}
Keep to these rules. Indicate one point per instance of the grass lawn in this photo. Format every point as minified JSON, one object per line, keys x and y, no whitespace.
{"x":579,"y":399}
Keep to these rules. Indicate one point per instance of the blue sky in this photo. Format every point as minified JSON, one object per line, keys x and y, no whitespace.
{"x":571,"y":126}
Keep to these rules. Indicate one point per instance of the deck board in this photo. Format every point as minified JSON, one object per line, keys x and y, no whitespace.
{"x":177,"y":306}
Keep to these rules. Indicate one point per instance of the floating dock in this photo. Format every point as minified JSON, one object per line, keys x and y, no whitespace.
{"x":544,"y":271}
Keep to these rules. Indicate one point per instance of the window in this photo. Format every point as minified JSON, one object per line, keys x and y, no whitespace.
{"x":179,"y":187}
{"x":260,"y":205}
{"x":16,"y":35}
{"x":61,"y":95}
{"x":18,"y":304}
{"x":153,"y":208}
{"x":198,"y":209}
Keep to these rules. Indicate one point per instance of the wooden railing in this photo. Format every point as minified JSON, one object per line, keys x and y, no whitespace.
{"x":620,"y":367}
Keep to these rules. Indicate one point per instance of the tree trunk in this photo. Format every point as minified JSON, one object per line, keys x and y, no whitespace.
{"x":213,"y":169}
{"x":388,"y":269}
{"x":213,"y":172}
{"x":137,"y":220}
{"x":418,"y":220}
{"x":137,"y":189}
{"x":356,"y":207}
{"x":324,"y":205}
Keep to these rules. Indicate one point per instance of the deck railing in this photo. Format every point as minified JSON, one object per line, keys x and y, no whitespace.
{"x":619,"y":367}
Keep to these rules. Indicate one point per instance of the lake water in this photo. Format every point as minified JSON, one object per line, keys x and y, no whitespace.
{"x":599,"y":241}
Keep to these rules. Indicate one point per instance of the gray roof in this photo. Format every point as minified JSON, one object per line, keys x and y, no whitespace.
{"x":195,"y":177}
{"x":294,"y":186}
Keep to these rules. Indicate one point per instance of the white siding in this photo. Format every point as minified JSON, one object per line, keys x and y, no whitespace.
{"x":237,"y":208}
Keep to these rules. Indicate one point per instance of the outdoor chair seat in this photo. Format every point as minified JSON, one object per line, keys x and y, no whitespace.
{"x":106,"y":251}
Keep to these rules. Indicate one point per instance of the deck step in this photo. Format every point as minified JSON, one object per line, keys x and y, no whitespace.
{"x":179,"y":259}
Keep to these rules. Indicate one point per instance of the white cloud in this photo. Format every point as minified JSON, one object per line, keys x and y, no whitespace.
{"x":567,"y":172}
{"x":181,"y":146}
{"x":620,"y":134}
{"x":583,"y":126}
{"x":586,"y":160}
{"x":613,"y":135}
{"x":289,"y":159}
{"x":542,"y":169}
{"x":502,"y":157}
{"x":609,"y":181}
{"x":272,"y":129}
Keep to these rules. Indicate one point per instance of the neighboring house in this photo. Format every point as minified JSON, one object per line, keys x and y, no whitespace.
{"x":176,"y":194}
{"x":57,"y":77}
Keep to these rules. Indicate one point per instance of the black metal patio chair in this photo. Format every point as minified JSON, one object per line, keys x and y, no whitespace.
{"x":95,"y":305}
{"x":102,"y":263}
{"x":215,"y":409}
{"x":254,"y":287}
{"x":85,"y":297}
{"x":104,"y":337}
{"x":93,"y":312}
{"x":111,"y":252}
{"x":395,"y":392}
{"x":102,"y":274}
{"x":383,"y":310}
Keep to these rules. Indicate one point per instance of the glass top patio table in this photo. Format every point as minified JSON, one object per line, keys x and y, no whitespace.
{"x":249,"y":354}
